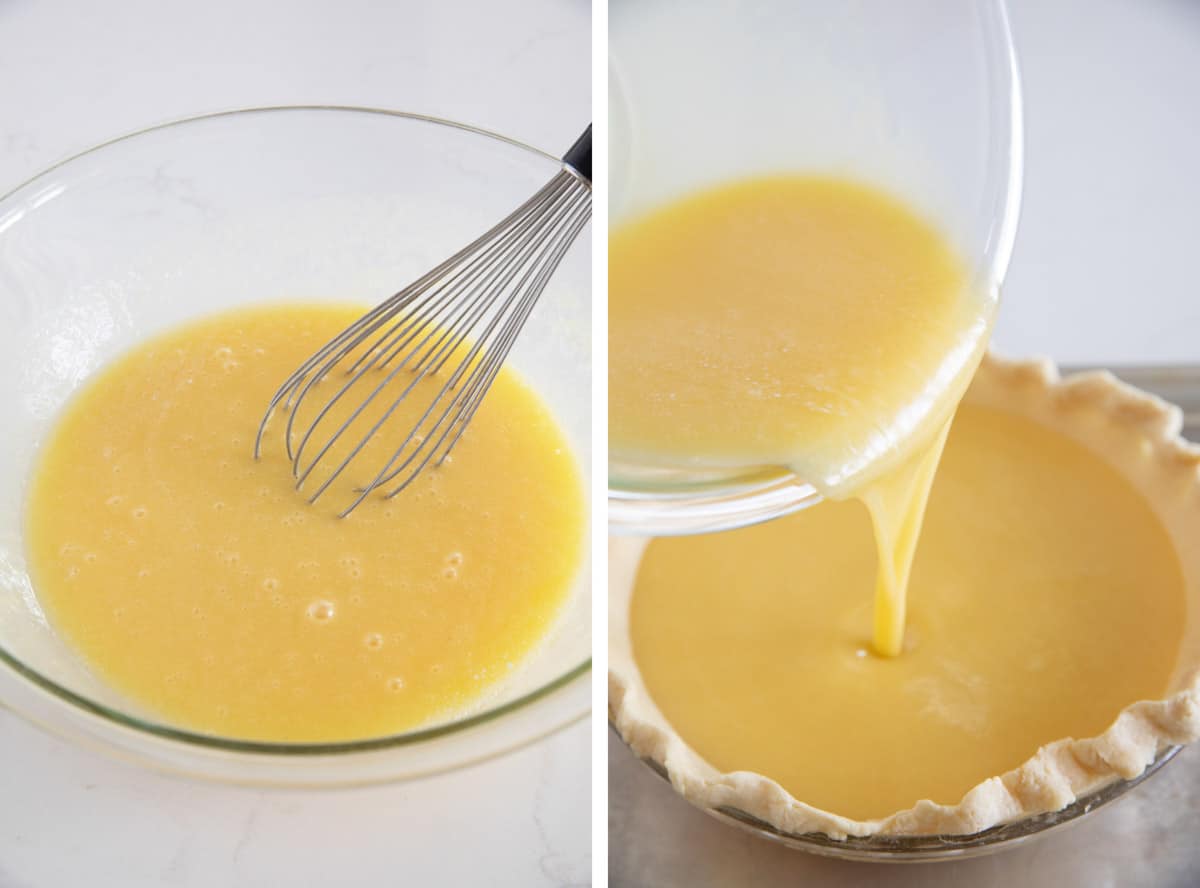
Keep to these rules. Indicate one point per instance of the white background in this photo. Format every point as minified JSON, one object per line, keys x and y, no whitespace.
{"x":1105,"y":267}
{"x":73,"y":74}
{"x":1104,"y":271}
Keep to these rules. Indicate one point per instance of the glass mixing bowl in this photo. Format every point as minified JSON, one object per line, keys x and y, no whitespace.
{"x":180,"y":220}
{"x":919,"y":98}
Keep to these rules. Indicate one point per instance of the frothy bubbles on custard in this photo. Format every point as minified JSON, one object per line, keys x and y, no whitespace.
{"x":321,"y":611}
{"x":302,"y":620}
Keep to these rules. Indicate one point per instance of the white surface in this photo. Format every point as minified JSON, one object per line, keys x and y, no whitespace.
{"x":74,"y":74}
{"x":71,"y":818}
{"x":1104,"y":270}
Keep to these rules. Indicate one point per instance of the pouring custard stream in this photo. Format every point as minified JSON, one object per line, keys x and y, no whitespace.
{"x":807,"y":322}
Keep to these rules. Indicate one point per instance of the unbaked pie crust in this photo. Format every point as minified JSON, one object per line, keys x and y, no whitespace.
{"x":1136,"y":433}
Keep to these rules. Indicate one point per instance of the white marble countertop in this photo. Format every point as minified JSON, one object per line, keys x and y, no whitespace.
{"x":75,"y":74}
{"x":1103,"y":272}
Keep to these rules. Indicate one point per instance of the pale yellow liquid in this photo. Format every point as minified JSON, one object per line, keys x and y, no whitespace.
{"x":804,"y":322}
{"x":1045,"y":597}
{"x":201,"y":584}
{"x":807,"y":322}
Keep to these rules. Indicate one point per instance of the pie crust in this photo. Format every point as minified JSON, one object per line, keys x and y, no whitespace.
{"x":1133,"y":431}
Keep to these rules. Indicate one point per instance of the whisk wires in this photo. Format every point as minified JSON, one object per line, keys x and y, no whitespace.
{"x":456,"y":324}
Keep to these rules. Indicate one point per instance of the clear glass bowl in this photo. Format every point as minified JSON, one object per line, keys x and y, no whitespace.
{"x":920,"y":98}
{"x":188,"y":218}
{"x":916,"y":849}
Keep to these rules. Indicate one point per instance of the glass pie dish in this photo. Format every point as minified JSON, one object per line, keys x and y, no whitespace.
{"x":188,"y":218}
{"x":1075,"y":770}
{"x":917,"y":849}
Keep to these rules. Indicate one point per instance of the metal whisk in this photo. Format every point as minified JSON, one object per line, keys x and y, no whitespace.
{"x":489,"y":286}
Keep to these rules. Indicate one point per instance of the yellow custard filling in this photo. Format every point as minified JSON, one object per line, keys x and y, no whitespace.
{"x":805,"y":322}
{"x":1045,"y":597}
{"x":200,"y":583}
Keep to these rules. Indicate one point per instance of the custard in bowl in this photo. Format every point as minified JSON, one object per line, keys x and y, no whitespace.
{"x":170,"y":599}
{"x":199,"y":581}
{"x":768,"y":284}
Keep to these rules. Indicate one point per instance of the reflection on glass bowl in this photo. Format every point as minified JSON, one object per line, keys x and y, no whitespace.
{"x":921,"y":100}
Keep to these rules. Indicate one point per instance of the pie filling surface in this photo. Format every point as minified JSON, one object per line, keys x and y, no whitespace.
{"x":1045,"y":597}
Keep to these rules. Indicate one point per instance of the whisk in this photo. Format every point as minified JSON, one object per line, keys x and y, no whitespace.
{"x":462,"y":317}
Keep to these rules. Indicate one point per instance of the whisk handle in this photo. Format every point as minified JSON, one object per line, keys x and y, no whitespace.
{"x":579,"y":155}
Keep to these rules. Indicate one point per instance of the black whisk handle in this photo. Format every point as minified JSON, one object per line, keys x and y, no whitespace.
{"x":579,"y":155}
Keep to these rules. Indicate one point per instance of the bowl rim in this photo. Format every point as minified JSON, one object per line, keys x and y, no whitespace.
{"x":163,"y":731}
